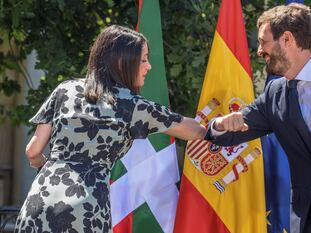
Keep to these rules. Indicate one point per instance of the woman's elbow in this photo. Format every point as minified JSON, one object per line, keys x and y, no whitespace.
{"x":32,"y":152}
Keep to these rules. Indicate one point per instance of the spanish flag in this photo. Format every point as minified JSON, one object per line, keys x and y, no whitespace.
{"x":222,"y":188}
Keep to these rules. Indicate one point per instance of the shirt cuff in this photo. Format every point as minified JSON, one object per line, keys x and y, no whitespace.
{"x":214,"y":132}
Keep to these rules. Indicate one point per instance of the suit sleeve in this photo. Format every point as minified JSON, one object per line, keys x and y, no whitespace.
{"x":255,"y":116}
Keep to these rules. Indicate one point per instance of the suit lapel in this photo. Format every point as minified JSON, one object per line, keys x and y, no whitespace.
{"x":297,"y":121}
{"x":303,"y":131}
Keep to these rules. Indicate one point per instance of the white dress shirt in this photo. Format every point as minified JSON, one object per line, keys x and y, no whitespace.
{"x":304,"y":92}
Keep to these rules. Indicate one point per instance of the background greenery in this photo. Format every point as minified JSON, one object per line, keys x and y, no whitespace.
{"x":62,"y":31}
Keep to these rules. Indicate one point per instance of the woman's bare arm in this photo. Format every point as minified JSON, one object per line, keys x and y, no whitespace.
{"x":37,"y":144}
{"x":188,"y":129}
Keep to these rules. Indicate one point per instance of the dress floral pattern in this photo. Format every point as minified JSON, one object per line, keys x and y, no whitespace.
{"x":71,"y":191}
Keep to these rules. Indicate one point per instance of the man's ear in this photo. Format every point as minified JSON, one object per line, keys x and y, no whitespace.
{"x":288,"y":39}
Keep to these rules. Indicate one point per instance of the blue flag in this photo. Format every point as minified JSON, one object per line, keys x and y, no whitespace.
{"x":290,"y":1}
{"x":277,"y":185}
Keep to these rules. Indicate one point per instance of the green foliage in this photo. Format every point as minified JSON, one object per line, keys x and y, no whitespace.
{"x":61,"y":33}
{"x":188,"y":30}
{"x":9,"y":86}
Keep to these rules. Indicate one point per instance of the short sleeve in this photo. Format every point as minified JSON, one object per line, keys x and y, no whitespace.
{"x":149,"y":117}
{"x":46,"y":111}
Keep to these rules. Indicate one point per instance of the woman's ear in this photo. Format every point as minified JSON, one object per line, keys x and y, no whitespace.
{"x":120,"y":64}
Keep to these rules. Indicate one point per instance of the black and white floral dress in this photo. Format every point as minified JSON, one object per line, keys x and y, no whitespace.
{"x":71,"y":191}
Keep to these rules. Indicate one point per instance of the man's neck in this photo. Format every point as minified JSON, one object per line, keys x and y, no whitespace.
{"x":298,"y":62}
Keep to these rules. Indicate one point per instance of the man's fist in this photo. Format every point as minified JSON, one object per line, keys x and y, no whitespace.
{"x":232,"y":122}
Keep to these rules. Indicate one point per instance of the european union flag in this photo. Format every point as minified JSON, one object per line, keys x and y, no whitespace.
{"x":290,"y":1}
{"x":277,"y":185}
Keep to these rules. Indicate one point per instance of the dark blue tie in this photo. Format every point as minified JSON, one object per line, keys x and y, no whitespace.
{"x":293,"y":103}
{"x":296,"y":118}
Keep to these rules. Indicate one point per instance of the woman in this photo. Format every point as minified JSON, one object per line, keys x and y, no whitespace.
{"x":89,"y":124}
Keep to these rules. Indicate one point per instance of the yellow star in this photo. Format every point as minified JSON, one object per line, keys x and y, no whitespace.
{"x":267,"y":215}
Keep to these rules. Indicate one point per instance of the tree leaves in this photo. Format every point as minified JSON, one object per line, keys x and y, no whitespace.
{"x":9,"y":87}
{"x":61,"y":33}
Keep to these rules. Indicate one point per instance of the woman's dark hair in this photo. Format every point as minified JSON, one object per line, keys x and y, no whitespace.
{"x":114,"y":59}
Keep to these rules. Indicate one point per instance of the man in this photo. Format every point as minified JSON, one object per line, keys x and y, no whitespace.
{"x":285,"y":44}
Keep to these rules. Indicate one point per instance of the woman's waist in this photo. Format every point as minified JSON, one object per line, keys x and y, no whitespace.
{"x":79,"y":158}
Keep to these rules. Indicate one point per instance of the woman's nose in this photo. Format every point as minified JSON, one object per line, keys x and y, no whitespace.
{"x":149,"y":66}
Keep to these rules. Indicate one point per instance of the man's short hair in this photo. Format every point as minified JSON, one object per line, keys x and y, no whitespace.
{"x":294,"y":17}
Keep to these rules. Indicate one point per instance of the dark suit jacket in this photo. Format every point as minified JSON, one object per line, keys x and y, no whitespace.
{"x":267,"y":114}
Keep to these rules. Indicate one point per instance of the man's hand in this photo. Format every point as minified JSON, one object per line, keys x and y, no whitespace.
{"x":232,"y":122}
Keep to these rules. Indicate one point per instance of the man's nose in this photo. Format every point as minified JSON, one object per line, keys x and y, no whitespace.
{"x":259,"y":51}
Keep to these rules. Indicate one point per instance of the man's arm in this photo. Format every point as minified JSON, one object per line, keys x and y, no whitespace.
{"x":250,"y":123}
